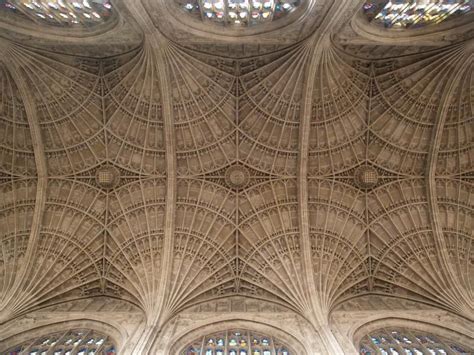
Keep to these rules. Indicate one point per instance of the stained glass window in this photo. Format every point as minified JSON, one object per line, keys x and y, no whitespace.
{"x":237,"y":342}
{"x":414,"y":13}
{"x":61,"y":12}
{"x":239,"y":12}
{"x":71,"y":342}
{"x":408,"y":342}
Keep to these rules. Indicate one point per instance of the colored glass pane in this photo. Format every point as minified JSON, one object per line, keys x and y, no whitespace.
{"x":239,"y":12}
{"x":82,"y":342}
{"x":407,"y":342}
{"x":414,"y":13}
{"x":237,"y":342}
{"x":61,"y":12}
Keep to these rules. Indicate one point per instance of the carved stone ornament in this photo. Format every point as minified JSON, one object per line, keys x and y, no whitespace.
{"x":366,"y":177}
{"x":237,"y":176}
{"x":107,"y":177}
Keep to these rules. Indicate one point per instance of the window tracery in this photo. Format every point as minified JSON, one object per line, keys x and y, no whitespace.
{"x":239,"y":12}
{"x":408,"y":342}
{"x":414,"y":13}
{"x":236,"y":342}
{"x":71,"y":342}
{"x":61,"y":12}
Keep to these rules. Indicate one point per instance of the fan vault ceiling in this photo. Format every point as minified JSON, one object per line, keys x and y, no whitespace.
{"x":306,"y":168}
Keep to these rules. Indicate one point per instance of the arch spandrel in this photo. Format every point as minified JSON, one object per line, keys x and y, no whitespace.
{"x":457,"y":142}
{"x":338,"y":113}
{"x":17,"y":209}
{"x":271,"y":90}
{"x":133,"y":110}
{"x":15,"y":144}
{"x":64,"y":261}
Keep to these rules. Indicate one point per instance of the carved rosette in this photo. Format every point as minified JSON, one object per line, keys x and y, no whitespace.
{"x":366,"y":177}
{"x":237,"y":177}
{"x":107,"y":177}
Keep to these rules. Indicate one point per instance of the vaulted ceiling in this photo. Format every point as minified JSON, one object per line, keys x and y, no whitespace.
{"x":306,"y":164}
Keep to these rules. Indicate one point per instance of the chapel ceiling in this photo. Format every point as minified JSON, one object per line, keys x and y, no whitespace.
{"x":306,"y":175}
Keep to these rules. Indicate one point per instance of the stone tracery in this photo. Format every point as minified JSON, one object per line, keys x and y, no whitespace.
{"x":235,"y":198}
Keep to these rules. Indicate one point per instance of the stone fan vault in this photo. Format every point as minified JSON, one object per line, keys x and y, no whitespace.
{"x":299,"y":179}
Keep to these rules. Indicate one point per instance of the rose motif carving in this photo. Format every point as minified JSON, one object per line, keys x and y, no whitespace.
{"x":107,"y":177}
{"x":237,"y":176}
{"x":366,"y":177}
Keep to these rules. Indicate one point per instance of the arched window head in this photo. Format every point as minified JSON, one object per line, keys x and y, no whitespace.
{"x":414,"y":13}
{"x":237,"y":342}
{"x":238,"y":12}
{"x":71,"y":342}
{"x":61,"y":12}
{"x":400,"y":341}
